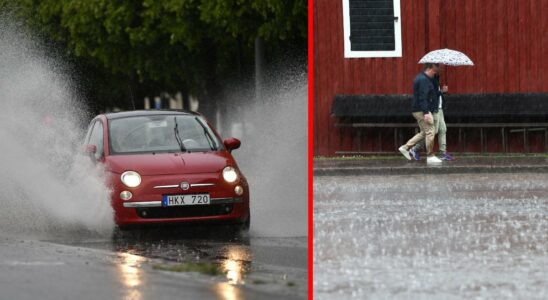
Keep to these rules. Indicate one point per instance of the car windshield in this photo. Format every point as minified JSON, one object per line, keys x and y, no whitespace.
{"x":161,"y":133}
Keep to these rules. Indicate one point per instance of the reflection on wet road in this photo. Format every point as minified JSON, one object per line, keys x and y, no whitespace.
{"x":130,"y":272}
{"x":276,"y":267}
{"x":229,"y":251}
{"x":227,"y":291}
{"x":431,"y":237}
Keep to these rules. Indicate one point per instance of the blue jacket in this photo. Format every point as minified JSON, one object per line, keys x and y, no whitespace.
{"x":425,"y":95}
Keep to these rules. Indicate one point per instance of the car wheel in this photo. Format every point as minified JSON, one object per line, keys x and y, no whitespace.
{"x":119,"y":232}
{"x":246,"y":224}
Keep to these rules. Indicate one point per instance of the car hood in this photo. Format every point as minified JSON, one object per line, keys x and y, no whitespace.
{"x":169,"y":163}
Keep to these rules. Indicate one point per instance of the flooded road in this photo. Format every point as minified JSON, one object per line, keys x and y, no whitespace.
{"x":458,"y":236}
{"x":152,"y":264}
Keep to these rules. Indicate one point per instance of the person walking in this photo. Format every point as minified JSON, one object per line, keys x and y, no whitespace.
{"x":439,"y":124}
{"x":424,"y":102}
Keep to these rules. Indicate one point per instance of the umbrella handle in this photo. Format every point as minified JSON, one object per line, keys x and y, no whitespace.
{"x":446,"y":75}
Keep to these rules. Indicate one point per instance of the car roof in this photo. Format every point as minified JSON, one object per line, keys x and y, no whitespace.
{"x":151,"y":112}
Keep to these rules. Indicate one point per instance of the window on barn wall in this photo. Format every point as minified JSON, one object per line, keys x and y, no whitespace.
{"x":372,"y":28}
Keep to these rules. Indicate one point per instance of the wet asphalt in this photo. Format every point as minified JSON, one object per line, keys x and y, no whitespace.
{"x":475,"y":228}
{"x":463,"y":164}
{"x":127,"y":265}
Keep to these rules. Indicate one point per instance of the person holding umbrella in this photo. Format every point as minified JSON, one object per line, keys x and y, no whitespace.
{"x":450,"y":58}
{"x":424,"y":102}
{"x":439,"y":124}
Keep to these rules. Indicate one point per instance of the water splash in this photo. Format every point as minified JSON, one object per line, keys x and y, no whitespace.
{"x":46,"y":185}
{"x":273,"y":156}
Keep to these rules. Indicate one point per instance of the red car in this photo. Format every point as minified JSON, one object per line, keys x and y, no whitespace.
{"x":168,"y":167}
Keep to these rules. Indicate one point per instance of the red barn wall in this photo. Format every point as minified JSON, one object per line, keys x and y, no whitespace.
{"x":507,"y":40}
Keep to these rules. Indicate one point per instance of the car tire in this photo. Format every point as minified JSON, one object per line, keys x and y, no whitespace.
{"x":119,"y":232}
{"x":244,"y":227}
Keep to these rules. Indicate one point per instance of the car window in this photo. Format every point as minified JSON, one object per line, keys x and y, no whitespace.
{"x":143,"y":134}
{"x":96,"y":138}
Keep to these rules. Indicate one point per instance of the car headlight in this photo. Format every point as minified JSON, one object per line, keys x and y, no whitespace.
{"x":131,"y":178}
{"x":230,"y":175}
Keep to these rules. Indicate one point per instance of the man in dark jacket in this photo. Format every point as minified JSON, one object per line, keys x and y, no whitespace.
{"x":437,"y":109}
{"x":424,"y":102}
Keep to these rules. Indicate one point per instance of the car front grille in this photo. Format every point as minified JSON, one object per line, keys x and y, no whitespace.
{"x":184,"y":211}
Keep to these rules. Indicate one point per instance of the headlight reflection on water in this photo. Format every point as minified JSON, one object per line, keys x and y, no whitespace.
{"x":234,"y":266}
{"x":226,"y":291}
{"x":234,"y":271}
{"x":130,"y":275}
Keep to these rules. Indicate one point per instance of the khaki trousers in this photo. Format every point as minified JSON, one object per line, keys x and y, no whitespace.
{"x":427,"y":132}
{"x":441,"y":131}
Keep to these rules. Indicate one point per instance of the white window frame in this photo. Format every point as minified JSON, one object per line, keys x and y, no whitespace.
{"x":348,"y":53}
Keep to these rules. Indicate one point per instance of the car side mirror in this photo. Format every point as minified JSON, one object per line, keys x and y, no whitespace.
{"x":232,"y":144}
{"x":90,"y":149}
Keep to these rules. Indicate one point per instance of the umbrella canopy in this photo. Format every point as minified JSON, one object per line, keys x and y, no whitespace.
{"x":447,"y":57}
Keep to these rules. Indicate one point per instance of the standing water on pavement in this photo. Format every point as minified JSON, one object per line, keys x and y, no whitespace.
{"x":457,"y":236}
{"x":47,"y":185}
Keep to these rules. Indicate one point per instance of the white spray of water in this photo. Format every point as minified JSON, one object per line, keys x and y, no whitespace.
{"x":274,"y":153}
{"x":47,"y":186}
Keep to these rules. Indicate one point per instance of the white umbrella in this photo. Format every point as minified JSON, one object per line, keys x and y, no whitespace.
{"x":447,"y":57}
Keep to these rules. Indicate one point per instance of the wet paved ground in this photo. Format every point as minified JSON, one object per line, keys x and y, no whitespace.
{"x":431,"y":236}
{"x":76,"y":266}
{"x":398,"y":165}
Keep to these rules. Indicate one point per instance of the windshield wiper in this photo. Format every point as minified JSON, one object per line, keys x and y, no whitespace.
{"x":177,"y":137}
{"x":209,"y":138}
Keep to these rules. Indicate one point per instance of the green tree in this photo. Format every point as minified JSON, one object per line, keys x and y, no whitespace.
{"x":134,"y":48}
{"x":273,"y":20}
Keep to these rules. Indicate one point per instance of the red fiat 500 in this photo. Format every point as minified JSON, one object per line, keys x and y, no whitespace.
{"x":168,"y":167}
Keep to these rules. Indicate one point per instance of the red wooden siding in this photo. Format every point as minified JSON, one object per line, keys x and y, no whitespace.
{"x":507,"y":40}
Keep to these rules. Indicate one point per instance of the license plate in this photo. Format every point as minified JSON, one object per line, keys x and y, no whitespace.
{"x":181,"y":200}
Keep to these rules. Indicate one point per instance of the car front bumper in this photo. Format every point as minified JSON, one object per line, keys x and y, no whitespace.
{"x":146,"y":207}
{"x":137,"y":204}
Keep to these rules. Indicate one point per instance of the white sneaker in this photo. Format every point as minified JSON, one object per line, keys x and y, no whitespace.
{"x":433,"y":160}
{"x":405,"y":152}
